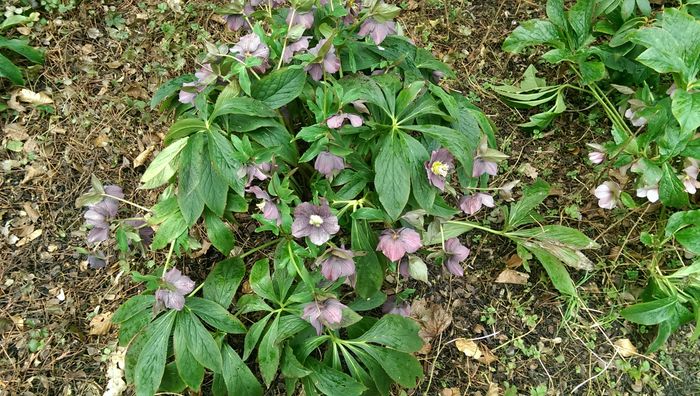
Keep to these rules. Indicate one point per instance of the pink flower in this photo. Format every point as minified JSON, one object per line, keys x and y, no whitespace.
{"x":440,"y":164}
{"x":338,"y":263}
{"x":250,"y":45}
{"x":396,"y":243}
{"x":173,"y":289}
{"x":471,"y":204}
{"x":329,"y":64}
{"x":322,"y":314}
{"x":338,"y":120}
{"x":455,"y":253}
{"x":486,"y":159}
{"x":377,"y":30}
{"x":608,"y":194}
{"x":690,"y":180}
{"x":266,"y":205}
{"x":402,"y":308}
{"x":329,"y":164}
{"x":297,"y":46}
{"x":637,"y":121}
{"x":305,"y":19}
{"x":315,"y":221}
{"x":598,"y":155}
{"x":649,"y":192}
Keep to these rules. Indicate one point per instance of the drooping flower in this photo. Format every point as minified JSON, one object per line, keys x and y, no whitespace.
{"x":99,"y":214}
{"x":97,"y":260}
{"x":486,"y":159}
{"x":320,"y":314}
{"x":338,"y":120}
{"x":315,"y":221}
{"x":637,"y":121}
{"x":250,"y":45}
{"x":236,"y":21}
{"x":305,"y":19}
{"x":377,"y":30}
{"x":690,"y":180}
{"x":455,"y":253}
{"x":145,"y":232}
{"x":254,"y":171}
{"x":437,"y":76}
{"x":440,"y":164}
{"x":268,"y":207}
{"x":329,"y":64}
{"x":338,"y":263}
{"x":396,"y":243}
{"x":651,"y":193}
{"x":608,"y":194}
{"x":671,"y":90}
{"x":173,"y":289}
{"x":402,"y":308}
{"x":598,"y":155}
{"x":297,"y":46}
{"x":205,"y":75}
{"x":360,"y":106}
{"x":329,"y":164}
{"x":188,"y":93}
{"x":471,"y":204}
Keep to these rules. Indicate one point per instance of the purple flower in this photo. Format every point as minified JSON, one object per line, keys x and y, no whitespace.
{"x":305,"y":19}
{"x":329,"y":164}
{"x":250,"y":45}
{"x":266,"y":205}
{"x":471,"y":204}
{"x":189,"y":93}
{"x":360,"y":106}
{"x":403,"y":269}
{"x":440,"y":164}
{"x":690,"y":180}
{"x":598,"y":155}
{"x":255,"y":171}
{"x":338,"y":263}
{"x":671,"y":90}
{"x":99,"y":214}
{"x":649,"y":192}
{"x":377,"y":30}
{"x":144,"y":230}
{"x":634,"y":119}
{"x":392,"y":307}
{"x":97,"y":261}
{"x":292,"y":48}
{"x":338,"y":120}
{"x":205,"y":75}
{"x":315,"y":221}
{"x":437,"y":76}
{"x":455,"y":253}
{"x":608,"y":194}
{"x":329,"y":64}
{"x":486,"y":159}
{"x":173,"y":289}
{"x":326,"y":313}
{"x":396,"y":243}
{"x":236,"y":21}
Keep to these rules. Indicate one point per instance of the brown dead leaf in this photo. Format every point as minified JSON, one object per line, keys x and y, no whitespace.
{"x":141,"y":158}
{"x":31,"y":212}
{"x":625,"y":347}
{"x":528,"y":170}
{"x":513,"y":277}
{"x":34,"y":235}
{"x":34,"y":98}
{"x":514,"y":261}
{"x":494,"y":390}
{"x":101,"y":141}
{"x":487,"y":356}
{"x":432,"y":318}
{"x":451,"y":392}
{"x":32,"y":171}
{"x":15,"y":131}
{"x":14,"y":104}
{"x":100,"y":324}
{"x":468,"y":347}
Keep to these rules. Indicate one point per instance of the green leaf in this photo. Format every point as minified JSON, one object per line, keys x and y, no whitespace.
{"x":291,"y":368}
{"x":219,"y":233}
{"x":652,"y":312}
{"x":192,"y":167}
{"x":199,"y":341}
{"x":556,"y":14}
{"x":592,"y":71}
{"x":395,"y":331}
{"x":402,"y":367}
{"x":22,"y":48}
{"x":392,"y":175}
{"x":279,"y":87}
{"x":132,"y":307}
{"x":215,"y":315}
{"x":171,"y":381}
{"x":558,"y":235}
{"x":671,"y":190}
{"x":151,"y":360}
{"x":188,"y":368}
{"x":423,"y":191}
{"x":260,"y":280}
{"x":182,"y":128}
{"x":269,"y":353}
{"x":169,"y":88}
{"x":164,"y":165}
{"x":129,"y":328}
{"x":581,"y":20}
{"x":369,"y":271}
{"x":680,"y":317}
{"x":533,"y":196}
{"x":679,"y":220}
{"x":332,"y":382}
{"x":242,"y":105}
{"x":225,"y":161}
{"x":253,"y":335}
{"x":686,"y":109}
{"x":690,"y":238}
{"x":10,"y":71}
{"x":237,"y":376}
{"x":531,"y":33}
{"x":555,"y":269}
{"x":223,"y":281}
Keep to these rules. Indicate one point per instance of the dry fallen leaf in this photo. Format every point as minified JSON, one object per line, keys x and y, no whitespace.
{"x":494,"y":390}
{"x":528,"y":170}
{"x":487,"y":356}
{"x":33,"y":171}
{"x":625,"y":347}
{"x":100,"y":324}
{"x":31,"y":212}
{"x":451,"y":392}
{"x":34,"y":98}
{"x":513,"y":277}
{"x":15,"y":131}
{"x":514,"y":261}
{"x":101,"y":141}
{"x":141,"y":158}
{"x":468,"y":347}
{"x":432,"y":318}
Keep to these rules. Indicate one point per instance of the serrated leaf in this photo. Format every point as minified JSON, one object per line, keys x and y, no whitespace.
{"x":279,"y":87}
{"x":394,"y":331}
{"x":151,"y":360}
{"x":215,"y":315}
{"x":223,"y":281}
{"x":163,"y":166}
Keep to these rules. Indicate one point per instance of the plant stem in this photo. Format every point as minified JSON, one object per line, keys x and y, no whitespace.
{"x":258,"y":248}
{"x":286,"y":38}
{"x":170,"y":255}
{"x":126,"y":202}
{"x":477,"y":226}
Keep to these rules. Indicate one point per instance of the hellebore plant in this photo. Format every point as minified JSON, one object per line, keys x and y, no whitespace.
{"x":344,"y":157}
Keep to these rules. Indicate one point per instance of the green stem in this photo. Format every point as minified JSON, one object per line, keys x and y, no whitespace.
{"x":478,"y":227}
{"x":168,"y":257}
{"x":126,"y":202}
{"x":258,"y":248}
{"x":286,"y":38}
